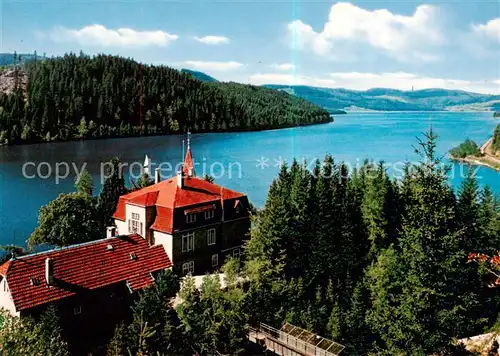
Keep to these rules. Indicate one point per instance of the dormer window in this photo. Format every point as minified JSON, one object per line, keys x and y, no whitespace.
{"x":209,"y":214}
{"x":135,"y":226}
{"x":190,"y":218}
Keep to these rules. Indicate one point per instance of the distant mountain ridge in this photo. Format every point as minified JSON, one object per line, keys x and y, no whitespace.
{"x":382,"y":99}
{"x":7,"y":59}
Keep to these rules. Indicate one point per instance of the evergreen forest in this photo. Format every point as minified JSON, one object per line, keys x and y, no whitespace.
{"x":79,"y":97}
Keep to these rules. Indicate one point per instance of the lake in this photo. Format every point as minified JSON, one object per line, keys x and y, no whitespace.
{"x":246,"y":162}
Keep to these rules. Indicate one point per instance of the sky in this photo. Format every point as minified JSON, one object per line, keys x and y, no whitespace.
{"x":453,"y":44}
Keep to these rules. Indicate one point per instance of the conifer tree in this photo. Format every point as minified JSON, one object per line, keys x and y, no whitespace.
{"x":112,"y":189}
{"x":489,"y":221}
{"x":323,"y":256}
{"x":423,"y":278}
{"x":379,"y":208}
{"x":83,"y":184}
{"x":357,"y":333}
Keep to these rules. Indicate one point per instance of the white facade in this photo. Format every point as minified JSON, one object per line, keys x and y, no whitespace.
{"x":6,"y":301}
{"x":121,"y":227}
{"x":161,"y":238}
{"x":135,"y":221}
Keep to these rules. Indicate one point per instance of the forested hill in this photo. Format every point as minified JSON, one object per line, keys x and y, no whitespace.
{"x":393,"y":100}
{"x":106,"y":96}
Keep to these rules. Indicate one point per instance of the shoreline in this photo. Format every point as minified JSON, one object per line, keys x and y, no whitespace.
{"x":486,"y":159}
{"x":234,"y":130}
{"x":475,"y":161}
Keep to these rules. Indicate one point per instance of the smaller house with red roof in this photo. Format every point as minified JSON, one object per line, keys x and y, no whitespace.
{"x":90,"y":283}
{"x":199,"y":223}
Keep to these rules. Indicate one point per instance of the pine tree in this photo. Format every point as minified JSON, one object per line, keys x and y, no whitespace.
{"x":378,"y":208}
{"x":83,"y":184}
{"x":357,"y":333}
{"x":489,"y":221}
{"x":468,"y":211}
{"x":324,"y":255}
{"x":112,"y":189}
{"x":414,"y":287}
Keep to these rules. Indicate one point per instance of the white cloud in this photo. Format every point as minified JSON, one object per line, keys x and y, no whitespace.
{"x":212,"y":40}
{"x":283,"y":66}
{"x":99,"y":35}
{"x":367,"y":80}
{"x":212,"y":66}
{"x":349,"y":26}
{"x":290,"y":79}
{"x":490,"y":29}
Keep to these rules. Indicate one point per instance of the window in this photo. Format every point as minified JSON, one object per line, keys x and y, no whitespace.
{"x":188,"y":268}
{"x":211,"y":236}
{"x":190,"y":218}
{"x":188,"y":242}
{"x":135,"y":216}
{"x":215,"y":260}
{"x":77,"y":310}
{"x":236,"y":253}
{"x":209,"y":214}
{"x":237,"y":210}
{"x":135,"y":226}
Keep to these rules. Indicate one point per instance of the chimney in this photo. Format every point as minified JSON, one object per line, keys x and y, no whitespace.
{"x":157,"y":175}
{"x":180,"y":178}
{"x":49,"y":271}
{"x":110,"y":231}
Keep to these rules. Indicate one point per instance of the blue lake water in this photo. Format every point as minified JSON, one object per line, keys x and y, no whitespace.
{"x":246,"y":162}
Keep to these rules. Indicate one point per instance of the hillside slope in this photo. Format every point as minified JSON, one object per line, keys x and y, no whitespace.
{"x":392,"y":99}
{"x":107,"y":96}
{"x":200,"y":75}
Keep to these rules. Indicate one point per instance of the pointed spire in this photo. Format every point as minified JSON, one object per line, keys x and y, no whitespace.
{"x":188,"y":166}
{"x":147,"y":165}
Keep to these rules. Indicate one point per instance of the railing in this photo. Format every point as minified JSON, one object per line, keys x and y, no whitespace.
{"x":313,"y":345}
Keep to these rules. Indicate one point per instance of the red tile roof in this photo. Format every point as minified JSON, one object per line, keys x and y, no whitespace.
{"x":88,"y":266}
{"x":147,"y":199}
{"x":164,"y":220}
{"x":168,"y":195}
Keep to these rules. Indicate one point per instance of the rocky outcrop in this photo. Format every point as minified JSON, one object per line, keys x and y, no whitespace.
{"x":8,"y":80}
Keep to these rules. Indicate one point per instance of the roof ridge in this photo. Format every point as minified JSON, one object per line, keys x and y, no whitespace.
{"x":64,"y":248}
